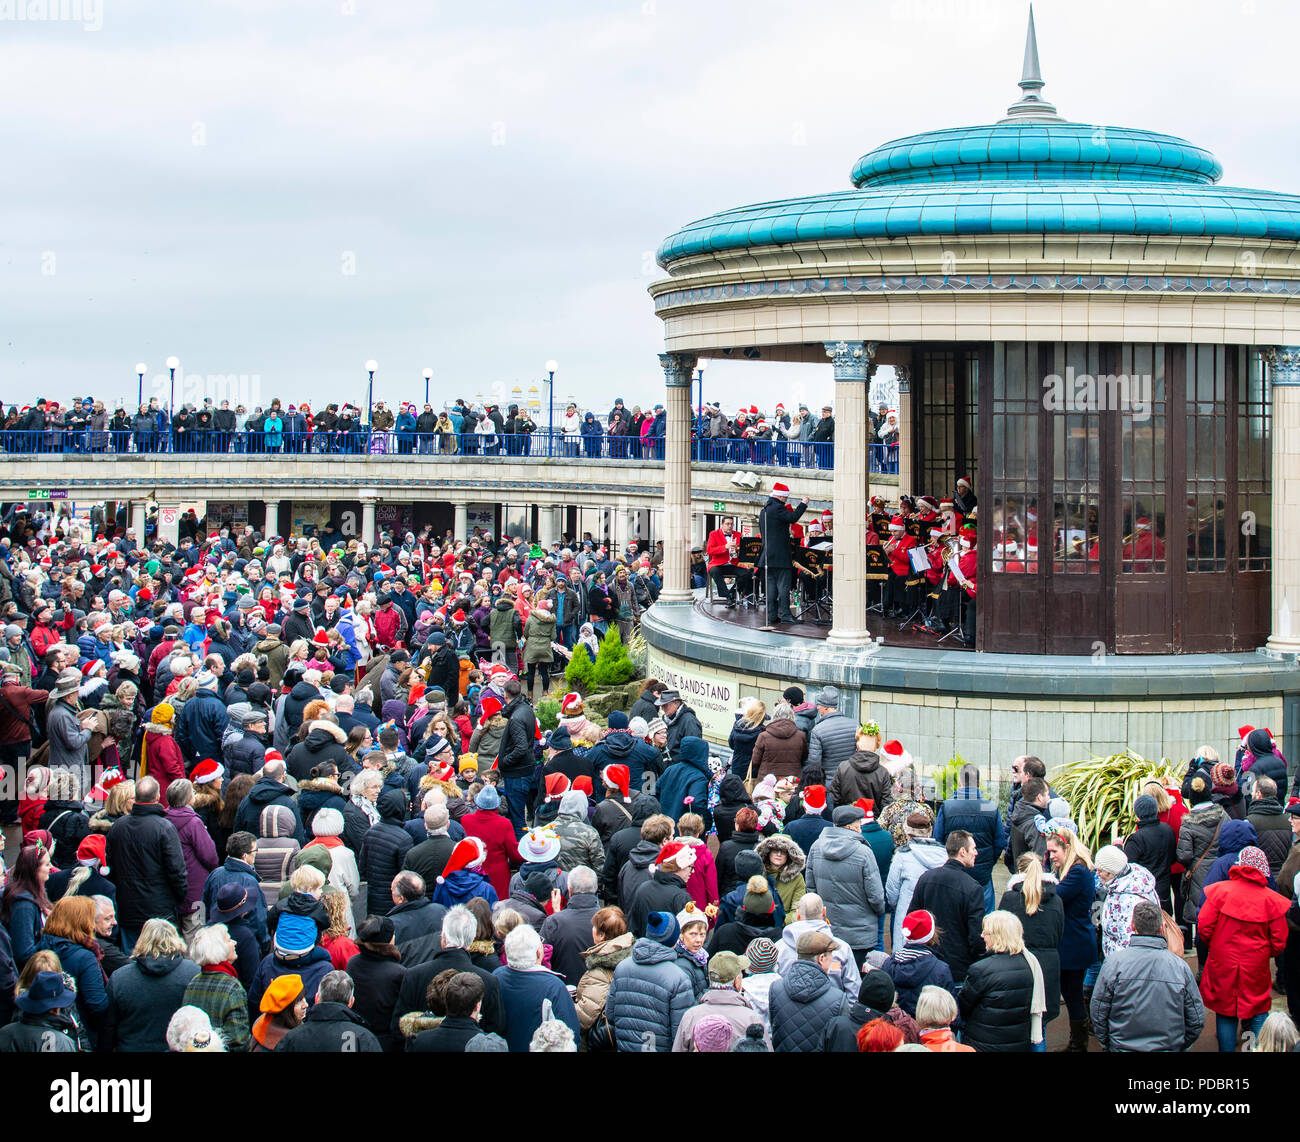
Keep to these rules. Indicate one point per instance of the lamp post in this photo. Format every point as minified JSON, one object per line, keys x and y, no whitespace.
{"x":428,"y":376}
{"x":173,"y":363}
{"x":371,"y":366}
{"x":699,"y":376}
{"x":551,"y":367}
{"x":140,"y":371}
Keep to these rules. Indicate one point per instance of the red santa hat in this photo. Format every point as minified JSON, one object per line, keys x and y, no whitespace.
{"x":458,"y":617}
{"x":491,"y":705}
{"x":206,"y":772}
{"x":557,"y":785}
{"x":680,"y":853}
{"x":1244,"y":732}
{"x":569,"y":702}
{"x":868,"y":806}
{"x":827,"y":516}
{"x":897,"y":524}
{"x":469,"y":853}
{"x":582,"y":783}
{"x":918,"y":927}
{"x":780,"y":490}
{"x":814,"y":798}
{"x":321,"y":637}
{"x":945,"y":505}
{"x":1143,"y":523}
{"x":273,"y":755}
{"x":617,"y":777}
{"x":962,"y":482}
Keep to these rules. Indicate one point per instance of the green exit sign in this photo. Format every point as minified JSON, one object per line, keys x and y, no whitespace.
{"x":38,"y":494}
{"x":719,"y":505}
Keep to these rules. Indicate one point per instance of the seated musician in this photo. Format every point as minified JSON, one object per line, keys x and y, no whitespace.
{"x":900,"y":567}
{"x":721,"y":549}
{"x":935,"y":549}
{"x":966,"y":564}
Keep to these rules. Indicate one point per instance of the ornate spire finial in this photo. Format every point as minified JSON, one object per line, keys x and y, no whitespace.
{"x":1031,"y":105}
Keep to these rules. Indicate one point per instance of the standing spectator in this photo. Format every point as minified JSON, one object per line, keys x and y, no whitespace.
{"x":1151,"y":845}
{"x":1272,"y":825}
{"x":144,"y":995}
{"x":378,"y":973}
{"x":967,"y":809}
{"x":1125,"y":884}
{"x":526,"y":983}
{"x":1031,"y":898}
{"x":197,"y":848}
{"x":832,"y":739}
{"x":1075,"y":888}
{"x":144,"y":852}
{"x":569,"y":931}
{"x":1146,"y":998}
{"x":951,"y":895}
{"x":843,"y":871}
{"x":781,"y":746}
{"x":1243,"y":923}
{"x":1003,"y":996}
{"x":67,"y":726}
{"x":649,"y":993}
{"x":383,"y":851}
{"x":802,"y":1002}
{"x":216,"y":989}
{"x":330,"y":1025}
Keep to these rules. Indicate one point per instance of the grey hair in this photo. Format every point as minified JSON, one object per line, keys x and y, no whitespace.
{"x":65,"y":785}
{"x":336,"y":987}
{"x":311,"y":677}
{"x":522,"y":945}
{"x":180,"y":792}
{"x":408,"y":885}
{"x":190,"y":1025}
{"x":102,"y":902}
{"x":782,"y":710}
{"x":581,"y":879}
{"x":552,"y":1036}
{"x":436,"y":820}
{"x":365,"y":779}
{"x":459,"y":927}
{"x":209,"y":945}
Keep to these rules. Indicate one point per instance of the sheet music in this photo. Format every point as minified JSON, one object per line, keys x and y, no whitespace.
{"x":955,"y":567}
{"x":920,"y":560}
{"x":823,"y":546}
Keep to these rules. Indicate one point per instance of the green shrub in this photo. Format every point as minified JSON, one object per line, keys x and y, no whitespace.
{"x":580,"y":674}
{"x":548,"y":713}
{"x":613,"y":666}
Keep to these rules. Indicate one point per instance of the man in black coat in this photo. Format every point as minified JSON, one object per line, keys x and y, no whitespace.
{"x":331,"y":1025}
{"x":459,"y":930}
{"x":461,"y":997}
{"x":144,"y":852}
{"x":954,"y":898}
{"x":444,"y":667}
{"x":413,"y":914}
{"x":515,"y":757}
{"x":774,"y":524}
{"x":269,"y":790}
{"x":569,"y":930}
{"x":428,"y":858}
{"x":383,"y":851}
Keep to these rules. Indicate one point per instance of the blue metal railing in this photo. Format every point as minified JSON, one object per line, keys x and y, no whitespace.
{"x":363,"y":441}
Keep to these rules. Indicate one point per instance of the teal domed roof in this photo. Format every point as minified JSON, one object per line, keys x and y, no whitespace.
{"x":1030,"y":173}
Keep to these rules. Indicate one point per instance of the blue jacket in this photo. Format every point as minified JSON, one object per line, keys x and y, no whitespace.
{"x":805,"y":831}
{"x":25,"y":924}
{"x":801,"y":1004}
{"x":273,"y":430}
{"x":688,"y":777}
{"x":647,"y":998}
{"x":199,"y":727}
{"x":881,"y":841}
{"x":913,"y":967}
{"x":314,"y":966}
{"x":522,"y":995}
{"x":968,"y":810}
{"x":1233,"y":837}
{"x":1078,"y":945}
{"x":82,"y":964}
{"x":463,"y":886}
{"x":618,"y":747}
{"x":236,"y":871}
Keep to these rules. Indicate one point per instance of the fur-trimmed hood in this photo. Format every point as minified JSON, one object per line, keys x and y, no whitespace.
{"x":413,"y":1022}
{"x":794,"y":855}
{"x":335,"y":731}
{"x":608,"y":954}
{"x":320,"y":785}
{"x":156,"y":728}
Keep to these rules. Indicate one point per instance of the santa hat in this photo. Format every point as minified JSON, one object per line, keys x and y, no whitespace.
{"x":868,"y":806}
{"x":918,"y":926}
{"x":814,"y":798}
{"x":827,"y":516}
{"x":444,"y":772}
{"x":930,"y":502}
{"x":617,"y":777}
{"x":962,"y":482}
{"x":458,"y":617}
{"x":206,"y":771}
{"x":321,"y":637}
{"x":92,"y":849}
{"x":1244,"y":732}
{"x":780,"y":490}
{"x":273,"y":755}
{"x":897,"y":524}
{"x":557,"y":785}
{"x":896,"y":758}
{"x":469,"y":853}
{"x":582,"y":784}
{"x":112,"y":776}
{"x":1143,"y":523}
{"x":569,"y":702}
{"x":945,"y":505}
{"x":491,"y":705}
{"x":679,"y":852}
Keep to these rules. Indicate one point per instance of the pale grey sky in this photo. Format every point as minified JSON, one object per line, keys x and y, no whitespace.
{"x":285,"y":190}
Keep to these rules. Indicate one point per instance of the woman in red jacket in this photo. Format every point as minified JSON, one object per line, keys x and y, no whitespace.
{"x":1243,"y":922}
{"x":162,"y":756}
{"x":497,"y":834}
{"x":1172,"y":811}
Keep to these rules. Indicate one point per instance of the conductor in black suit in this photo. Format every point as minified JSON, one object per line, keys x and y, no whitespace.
{"x":774,"y":521}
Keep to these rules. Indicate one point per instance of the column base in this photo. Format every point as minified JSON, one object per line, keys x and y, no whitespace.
{"x":675,"y":598}
{"x":1279,"y":645}
{"x":850,"y":638}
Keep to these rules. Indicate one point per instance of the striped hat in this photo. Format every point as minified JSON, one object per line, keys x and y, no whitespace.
{"x":761,"y":954}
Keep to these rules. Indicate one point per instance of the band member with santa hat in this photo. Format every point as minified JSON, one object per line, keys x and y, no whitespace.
{"x":1144,"y":548}
{"x":966,"y":564}
{"x":963,"y":499}
{"x":900,"y":566}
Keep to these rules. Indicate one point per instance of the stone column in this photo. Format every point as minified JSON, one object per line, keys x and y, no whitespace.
{"x":904,"y":429}
{"x":460,"y":525}
{"x":368,"y":536}
{"x":272,"y":525}
{"x":139,"y":514}
{"x":850,"y":360}
{"x":548,"y":530}
{"x":1284,"y":379}
{"x":679,"y":370}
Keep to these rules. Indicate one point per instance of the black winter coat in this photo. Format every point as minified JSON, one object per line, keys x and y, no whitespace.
{"x":318,"y":746}
{"x":1152,"y":846}
{"x":516,"y":756}
{"x":243,"y":754}
{"x":144,"y":854}
{"x":1043,"y":931}
{"x":774,"y":521}
{"x":263,"y":795}
{"x":329,"y":1028}
{"x":663,"y":892}
{"x":68,"y":824}
{"x":995,"y":1001}
{"x":378,"y":978}
{"x":450,"y":1036}
{"x":383,"y":851}
{"x":951,"y":894}
{"x":412,"y":996}
{"x":732,"y":798}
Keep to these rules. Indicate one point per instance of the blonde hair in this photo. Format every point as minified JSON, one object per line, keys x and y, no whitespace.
{"x":1278,"y":1035}
{"x":755,"y":713}
{"x":1207,"y":753}
{"x":336,"y":908}
{"x":158,"y":938}
{"x":935,"y":1008}
{"x":690,"y":825}
{"x":1031,"y":868}
{"x":505,"y":922}
{"x":43,"y":960}
{"x":1075,"y":852}
{"x":119,"y":799}
{"x":1003,"y":932}
{"x":307,"y":879}
{"x":1157,"y":791}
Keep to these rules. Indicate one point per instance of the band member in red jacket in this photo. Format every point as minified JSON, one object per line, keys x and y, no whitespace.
{"x":1145,"y":549}
{"x":900,"y":566}
{"x":721,"y":550}
{"x":966,"y":564}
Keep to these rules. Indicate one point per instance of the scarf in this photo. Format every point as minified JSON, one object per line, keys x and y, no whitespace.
{"x":223,"y":968}
{"x":367,"y":807}
{"x":715,"y":784}
{"x":326,"y":842}
{"x":701,"y":957}
{"x":1038,"y":1004}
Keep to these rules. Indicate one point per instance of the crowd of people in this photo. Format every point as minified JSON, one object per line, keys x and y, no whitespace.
{"x":263,"y":795}
{"x":792,"y":439}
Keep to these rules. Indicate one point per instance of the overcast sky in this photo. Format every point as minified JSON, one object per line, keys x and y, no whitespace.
{"x":284,"y":190}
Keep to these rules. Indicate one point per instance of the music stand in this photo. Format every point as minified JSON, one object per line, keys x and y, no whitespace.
{"x":918,"y":612}
{"x":748,"y":550}
{"x":877,"y":572}
{"x":820,"y":606}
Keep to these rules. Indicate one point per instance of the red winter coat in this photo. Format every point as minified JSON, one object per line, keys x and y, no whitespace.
{"x":1244,"y":923}
{"x":496,"y":832}
{"x":1173,"y":817}
{"x":899,"y":561}
{"x":388,"y":625}
{"x":162,"y":760}
{"x":702,"y":884}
